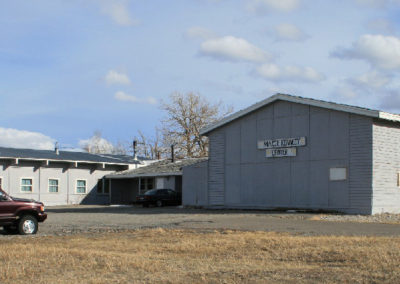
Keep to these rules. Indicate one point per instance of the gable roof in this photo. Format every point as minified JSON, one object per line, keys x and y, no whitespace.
{"x":65,"y":156}
{"x":160,"y":168}
{"x":305,"y":101}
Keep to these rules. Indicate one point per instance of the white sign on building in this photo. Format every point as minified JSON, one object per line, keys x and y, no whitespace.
{"x":281,"y":147}
{"x":281,"y":152}
{"x":282,"y":143}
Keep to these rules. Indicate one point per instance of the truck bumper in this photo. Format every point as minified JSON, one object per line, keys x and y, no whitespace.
{"x":42,"y":216}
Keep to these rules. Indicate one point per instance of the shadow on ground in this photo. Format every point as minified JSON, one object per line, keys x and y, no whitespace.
{"x":164,"y":210}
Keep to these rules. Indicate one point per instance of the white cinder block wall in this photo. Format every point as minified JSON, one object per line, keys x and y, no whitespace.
{"x":11,"y":176}
{"x":386,"y":168}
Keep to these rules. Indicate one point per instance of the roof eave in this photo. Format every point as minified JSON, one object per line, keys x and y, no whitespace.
{"x":64,"y":161}
{"x":299,"y":100}
{"x":389,"y":116}
{"x":126,"y":176}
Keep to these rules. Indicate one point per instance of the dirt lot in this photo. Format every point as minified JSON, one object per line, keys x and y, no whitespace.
{"x":92,"y":219}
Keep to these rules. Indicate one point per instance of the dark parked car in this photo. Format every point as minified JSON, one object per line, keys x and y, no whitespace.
{"x":20,"y":215}
{"x":159,"y":197}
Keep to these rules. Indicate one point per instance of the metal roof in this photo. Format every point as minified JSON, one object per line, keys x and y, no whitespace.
{"x":160,"y":168}
{"x":306,"y":101}
{"x":65,"y":156}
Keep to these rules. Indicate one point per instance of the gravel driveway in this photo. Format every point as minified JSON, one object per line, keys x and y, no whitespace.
{"x":81,"y":219}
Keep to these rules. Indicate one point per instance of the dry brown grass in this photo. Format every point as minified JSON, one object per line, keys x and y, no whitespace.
{"x":182,"y":256}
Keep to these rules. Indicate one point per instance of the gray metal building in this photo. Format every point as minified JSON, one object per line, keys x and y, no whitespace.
{"x":125,"y":185}
{"x":299,"y":153}
{"x":59,"y":177}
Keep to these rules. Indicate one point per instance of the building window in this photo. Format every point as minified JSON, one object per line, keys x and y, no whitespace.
{"x":103,"y":186}
{"x":81,"y":186}
{"x":336,"y":174}
{"x":27,"y":185}
{"x":53,"y":185}
{"x":146,"y":184}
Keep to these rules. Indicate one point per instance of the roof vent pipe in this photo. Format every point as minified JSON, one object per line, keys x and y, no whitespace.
{"x":56,"y":149}
{"x":172,"y":153}
{"x":134,"y":149}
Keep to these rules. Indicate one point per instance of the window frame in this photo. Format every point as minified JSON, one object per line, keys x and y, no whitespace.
{"x":48,"y":185}
{"x":21,"y":185}
{"x":76,"y":186}
{"x":105,"y":186}
{"x":146,"y":184}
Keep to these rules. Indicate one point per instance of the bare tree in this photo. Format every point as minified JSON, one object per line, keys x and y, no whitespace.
{"x":96,"y":144}
{"x":156,"y":149}
{"x":186,"y":115}
{"x":99,"y":145}
{"x":149,"y":146}
{"x":120,"y":148}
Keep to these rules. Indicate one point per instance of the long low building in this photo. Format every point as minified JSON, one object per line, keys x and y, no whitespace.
{"x":167,"y":173}
{"x":300,"y":153}
{"x":59,"y":177}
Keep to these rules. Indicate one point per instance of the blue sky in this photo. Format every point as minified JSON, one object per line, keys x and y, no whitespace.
{"x":68,"y":68}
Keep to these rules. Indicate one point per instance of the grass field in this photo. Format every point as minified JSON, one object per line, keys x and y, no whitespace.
{"x":184,"y":256}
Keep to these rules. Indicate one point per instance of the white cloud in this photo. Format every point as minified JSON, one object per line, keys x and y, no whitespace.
{"x":122,"y":96}
{"x":373,"y":79}
{"x":118,"y":11}
{"x":380,"y":51}
{"x":391,"y":101}
{"x":199,"y":32}
{"x":260,"y":6}
{"x":346,"y":92}
{"x":289,"y":32}
{"x":274,"y":72}
{"x":373,"y":85}
{"x":15,"y":138}
{"x":233,"y":49}
{"x":114,"y":77}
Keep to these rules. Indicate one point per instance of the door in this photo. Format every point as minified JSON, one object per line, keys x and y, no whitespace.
{"x":178,"y":184}
{"x":7,"y":209}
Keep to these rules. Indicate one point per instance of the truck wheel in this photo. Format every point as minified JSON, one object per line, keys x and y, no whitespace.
{"x":27,"y":225}
{"x":159,"y":203}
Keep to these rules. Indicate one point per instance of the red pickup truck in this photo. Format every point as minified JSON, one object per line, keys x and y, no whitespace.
{"x":20,"y":215}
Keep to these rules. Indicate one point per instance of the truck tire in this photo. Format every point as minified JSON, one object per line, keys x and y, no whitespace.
{"x":27,"y":225}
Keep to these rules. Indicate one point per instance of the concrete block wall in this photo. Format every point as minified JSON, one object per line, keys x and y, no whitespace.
{"x":11,"y":182}
{"x":386,"y":167}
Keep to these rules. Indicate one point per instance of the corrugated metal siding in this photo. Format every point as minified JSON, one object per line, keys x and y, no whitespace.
{"x":216,"y":169}
{"x":386,"y":165}
{"x":241,"y":176}
{"x":360,"y":171}
{"x":195,"y":185}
